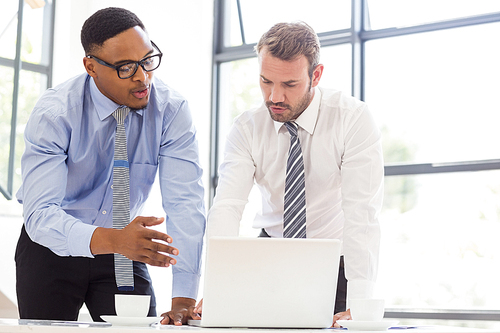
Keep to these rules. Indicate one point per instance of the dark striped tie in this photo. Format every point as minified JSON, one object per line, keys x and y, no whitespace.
{"x":294,"y":217}
{"x":121,"y":199}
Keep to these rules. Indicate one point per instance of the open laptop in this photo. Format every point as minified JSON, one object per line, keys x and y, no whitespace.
{"x":270,"y":283}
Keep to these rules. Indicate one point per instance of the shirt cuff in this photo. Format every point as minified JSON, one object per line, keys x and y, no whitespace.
{"x":79,"y":240}
{"x":185,"y":285}
{"x":360,"y":289}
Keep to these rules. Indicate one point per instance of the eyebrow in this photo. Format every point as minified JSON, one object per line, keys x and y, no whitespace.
{"x":123,"y":62}
{"x":286,"y":82}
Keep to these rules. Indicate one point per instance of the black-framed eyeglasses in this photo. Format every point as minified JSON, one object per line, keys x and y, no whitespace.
{"x":129,"y":69}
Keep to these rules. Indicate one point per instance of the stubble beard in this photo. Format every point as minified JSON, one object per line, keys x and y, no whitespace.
{"x":293,"y":111}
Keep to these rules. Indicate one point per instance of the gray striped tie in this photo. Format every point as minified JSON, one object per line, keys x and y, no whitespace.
{"x":294,"y":217}
{"x":124,"y":270}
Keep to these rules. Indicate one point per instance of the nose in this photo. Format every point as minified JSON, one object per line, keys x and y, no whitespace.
{"x":140,"y":74}
{"x":277,"y":94}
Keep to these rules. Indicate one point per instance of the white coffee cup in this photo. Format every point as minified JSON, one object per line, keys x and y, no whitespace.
{"x":367,"y":309}
{"x":132,"y":305}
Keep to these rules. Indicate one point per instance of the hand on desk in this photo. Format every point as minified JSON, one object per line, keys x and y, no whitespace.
{"x":346,"y":315}
{"x":182,"y":311}
{"x":136,"y":242}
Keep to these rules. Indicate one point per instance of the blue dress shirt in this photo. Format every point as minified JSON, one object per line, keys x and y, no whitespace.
{"x":67,"y":171}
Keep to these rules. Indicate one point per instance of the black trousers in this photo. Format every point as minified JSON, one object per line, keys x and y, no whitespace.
{"x":54,"y":288}
{"x":340,"y":300}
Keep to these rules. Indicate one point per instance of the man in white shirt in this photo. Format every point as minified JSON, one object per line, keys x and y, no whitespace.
{"x":341,"y":150}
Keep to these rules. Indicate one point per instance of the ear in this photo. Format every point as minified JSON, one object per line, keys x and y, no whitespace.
{"x":318,"y":71}
{"x":89,"y":66}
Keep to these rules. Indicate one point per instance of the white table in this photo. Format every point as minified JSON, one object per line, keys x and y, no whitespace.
{"x":13,"y":326}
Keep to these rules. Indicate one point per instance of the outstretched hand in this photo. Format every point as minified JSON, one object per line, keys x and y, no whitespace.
{"x":137,"y":242}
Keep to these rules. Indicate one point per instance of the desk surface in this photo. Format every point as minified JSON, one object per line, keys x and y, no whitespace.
{"x":14,"y":326}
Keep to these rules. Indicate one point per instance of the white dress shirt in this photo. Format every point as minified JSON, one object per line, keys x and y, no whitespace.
{"x":343,"y":165}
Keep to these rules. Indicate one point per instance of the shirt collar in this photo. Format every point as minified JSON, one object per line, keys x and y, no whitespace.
{"x":103,"y":105}
{"x":307,"y":120}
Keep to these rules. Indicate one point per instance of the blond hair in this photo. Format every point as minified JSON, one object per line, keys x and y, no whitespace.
{"x":288,"y":41}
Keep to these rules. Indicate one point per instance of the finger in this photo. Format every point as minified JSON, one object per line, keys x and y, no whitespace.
{"x":178,"y":319}
{"x":158,"y":254}
{"x":149,"y":221}
{"x":157,"y":235}
{"x":156,"y":259}
{"x":161,"y":247}
{"x":346,"y":316}
{"x":166,"y":319}
{"x":193,"y":313}
{"x":198,"y":308}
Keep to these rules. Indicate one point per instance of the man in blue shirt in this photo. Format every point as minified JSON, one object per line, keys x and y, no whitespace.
{"x":64,"y":256}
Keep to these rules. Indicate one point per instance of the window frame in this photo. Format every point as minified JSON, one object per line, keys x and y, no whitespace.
{"x":17,"y":64}
{"x":357,"y":36}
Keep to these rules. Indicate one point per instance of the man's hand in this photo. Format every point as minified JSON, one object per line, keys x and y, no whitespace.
{"x":346,"y":315}
{"x":182,"y":311}
{"x":136,"y":242}
{"x":199,"y":308}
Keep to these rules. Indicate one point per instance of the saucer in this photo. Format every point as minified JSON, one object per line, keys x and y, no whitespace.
{"x":131,"y":321}
{"x":354,"y":325}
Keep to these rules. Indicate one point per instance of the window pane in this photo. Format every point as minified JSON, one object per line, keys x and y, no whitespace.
{"x":259,"y":15}
{"x":232,"y":36}
{"x":401,"y":13}
{"x":8,"y":29}
{"x":337,"y":72}
{"x":32,"y":46}
{"x":6,"y":90}
{"x":239,"y":92}
{"x":440,"y":241}
{"x":435,"y":94}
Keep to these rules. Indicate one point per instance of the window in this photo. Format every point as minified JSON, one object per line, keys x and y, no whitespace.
{"x":428,"y":71}
{"x":26,"y":35}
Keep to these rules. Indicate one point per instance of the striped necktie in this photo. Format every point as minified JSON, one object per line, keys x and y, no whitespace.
{"x":294,"y":216}
{"x":124,"y":271}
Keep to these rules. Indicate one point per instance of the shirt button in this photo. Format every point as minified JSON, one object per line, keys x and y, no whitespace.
{"x":111,"y":186}
{"x":104,"y":212}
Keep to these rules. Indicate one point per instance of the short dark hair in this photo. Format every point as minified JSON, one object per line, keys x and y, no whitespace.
{"x":105,"y":24}
{"x":288,"y":41}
